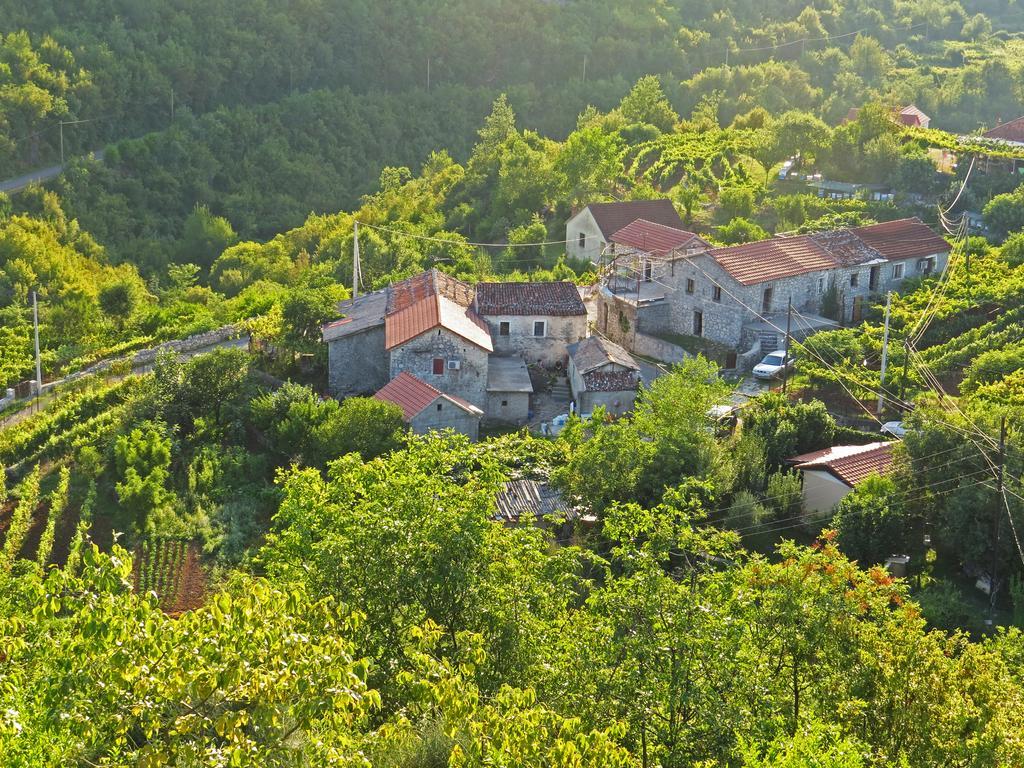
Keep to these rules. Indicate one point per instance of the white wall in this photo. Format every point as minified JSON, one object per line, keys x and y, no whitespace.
{"x":583,"y":222}
{"x":822,"y":490}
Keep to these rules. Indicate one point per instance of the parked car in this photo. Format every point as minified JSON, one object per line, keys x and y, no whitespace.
{"x":772,"y":366}
{"x":894,"y":428}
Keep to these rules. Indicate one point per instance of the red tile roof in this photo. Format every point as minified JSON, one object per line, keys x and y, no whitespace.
{"x":1011,"y":131}
{"x":850,"y":463}
{"x":433,"y":282}
{"x":611,"y":217}
{"x":911,"y":115}
{"x":902,"y":239}
{"x":413,"y":395}
{"x":560,"y":299}
{"x":651,"y":237}
{"x":772,"y":259}
{"x":431,"y":299}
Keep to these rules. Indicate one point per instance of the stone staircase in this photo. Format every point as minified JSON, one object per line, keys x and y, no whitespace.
{"x":560,"y":389}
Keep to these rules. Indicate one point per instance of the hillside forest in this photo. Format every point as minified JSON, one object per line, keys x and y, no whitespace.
{"x":206,"y":562}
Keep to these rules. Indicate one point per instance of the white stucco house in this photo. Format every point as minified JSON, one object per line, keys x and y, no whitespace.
{"x":832,"y":473}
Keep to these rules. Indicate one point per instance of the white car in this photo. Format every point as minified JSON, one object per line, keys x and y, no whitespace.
{"x":773,"y":365}
{"x":894,"y":428}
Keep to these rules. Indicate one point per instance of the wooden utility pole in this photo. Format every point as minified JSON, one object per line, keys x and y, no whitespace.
{"x":355,"y":261}
{"x":997,"y":523}
{"x":172,"y":105}
{"x":584,"y":68}
{"x":61,"y":145}
{"x":885,"y":354}
{"x":39,"y":365}
{"x":428,"y":73}
{"x":785,"y":358}
{"x":906,"y":363}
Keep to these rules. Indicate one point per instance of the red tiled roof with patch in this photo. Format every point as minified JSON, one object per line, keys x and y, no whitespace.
{"x":413,"y":395}
{"x":772,"y":259}
{"x":850,"y":463}
{"x":431,"y":299}
{"x":1011,"y":131}
{"x":657,"y":239}
{"x":911,"y":115}
{"x":902,"y":239}
{"x":611,"y":217}
{"x":560,"y":299}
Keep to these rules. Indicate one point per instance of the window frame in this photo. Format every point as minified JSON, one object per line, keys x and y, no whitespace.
{"x":544,"y":329}
{"x":504,"y":328}
{"x":691,"y":286}
{"x":439,"y":364}
{"x":716,"y":293}
{"x":898,"y":271}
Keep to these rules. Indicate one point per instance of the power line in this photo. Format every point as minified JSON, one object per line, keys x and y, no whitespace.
{"x":430,"y":239}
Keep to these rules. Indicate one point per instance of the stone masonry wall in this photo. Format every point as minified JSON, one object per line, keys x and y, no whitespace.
{"x":357,"y":364}
{"x":449,"y":417}
{"x":417,"y":355}
{"x":549,"y":350}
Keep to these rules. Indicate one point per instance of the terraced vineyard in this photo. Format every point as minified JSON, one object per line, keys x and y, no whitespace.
{"x":169,"y":569}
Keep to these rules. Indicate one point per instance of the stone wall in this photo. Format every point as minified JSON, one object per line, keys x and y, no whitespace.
{"x":508,"y":407}
{"x":450,"y":416}
{"x":616,"y":403}
{"x":659,"y":349}
{"x":468,"y":381}
{"x":357,"y":364}
{"x":548,"y":350}
{"x":616,"y":318}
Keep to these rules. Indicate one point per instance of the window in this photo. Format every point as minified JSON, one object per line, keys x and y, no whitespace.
{"x":766,"y":300}
{"x":439,"y":406}
{"x":438,"y":366}
{"x":926,"y":265}
{"x":690,"y":285}
{"x":504,"y":403}
{"x":698,"y":323}
{"x":539,"y":328}
{"x":716,"y":293}
{"x":897,"y":271}
{"x":821,"y":285}
{"x":503,"y":328}
{"x":583,"y":239}
{"x":648,"y":271}
{"x":854,"y":280}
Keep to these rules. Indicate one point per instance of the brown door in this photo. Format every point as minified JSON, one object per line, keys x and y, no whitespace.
{"x":858,"y":310}
{"x":698,"y":323}
{"x":873,"y":280}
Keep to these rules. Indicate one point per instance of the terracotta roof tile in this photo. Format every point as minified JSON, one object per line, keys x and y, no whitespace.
{"x":772,"y":259}
{"x":560,"y":299}
{"x":658,"y":239}
{"x":611,"y":217}
{"x":428,"y":300}
{"x":902,"y":239}
{"x":1011,"y":131}
{"x":850,"y":463}
{"x":911,"y":115}
{"x":413,"y":395}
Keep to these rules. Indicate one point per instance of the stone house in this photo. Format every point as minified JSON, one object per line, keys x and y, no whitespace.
{"x":591,"y":229}
{"x":470,"y":342}
{"x":601,"y":373}
{"x":426,"y":408}
{"x":738,"y":296}
{"x":536,"y":321}
{"x":830,"y":474}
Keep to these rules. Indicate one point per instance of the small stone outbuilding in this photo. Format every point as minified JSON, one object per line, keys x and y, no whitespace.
{"x":601,"y":373}
{"x":426,"y":409}
{"x":508,"y":390}
{"x":830,"y":474}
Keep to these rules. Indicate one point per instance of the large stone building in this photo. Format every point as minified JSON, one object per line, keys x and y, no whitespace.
{"x":470,"y":342}
{"x":738,"y":296}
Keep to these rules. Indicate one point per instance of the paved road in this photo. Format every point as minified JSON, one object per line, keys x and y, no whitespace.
{"x":42,"y":174}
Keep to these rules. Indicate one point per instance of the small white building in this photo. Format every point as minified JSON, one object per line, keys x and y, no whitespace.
{"x":589,"y":231}
{"x":830,"y":474}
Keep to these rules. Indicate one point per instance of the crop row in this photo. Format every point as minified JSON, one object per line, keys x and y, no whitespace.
{"x":21,"y":520}
{"x":160,"y":564}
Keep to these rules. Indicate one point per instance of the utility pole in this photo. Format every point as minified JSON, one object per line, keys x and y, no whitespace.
{"x":355,"y":261}
{"x":39,"y":366}
{"x":785,"y":358}
{"x":906,"y":363}
{"x":172,"y":105}
{"x":727,"y":55}
{"x":428,"y":73}
{"x":62,"y":143}
{"x":997,"y":523}
{"x":584,"y":68}
{"x":885,"y":354}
